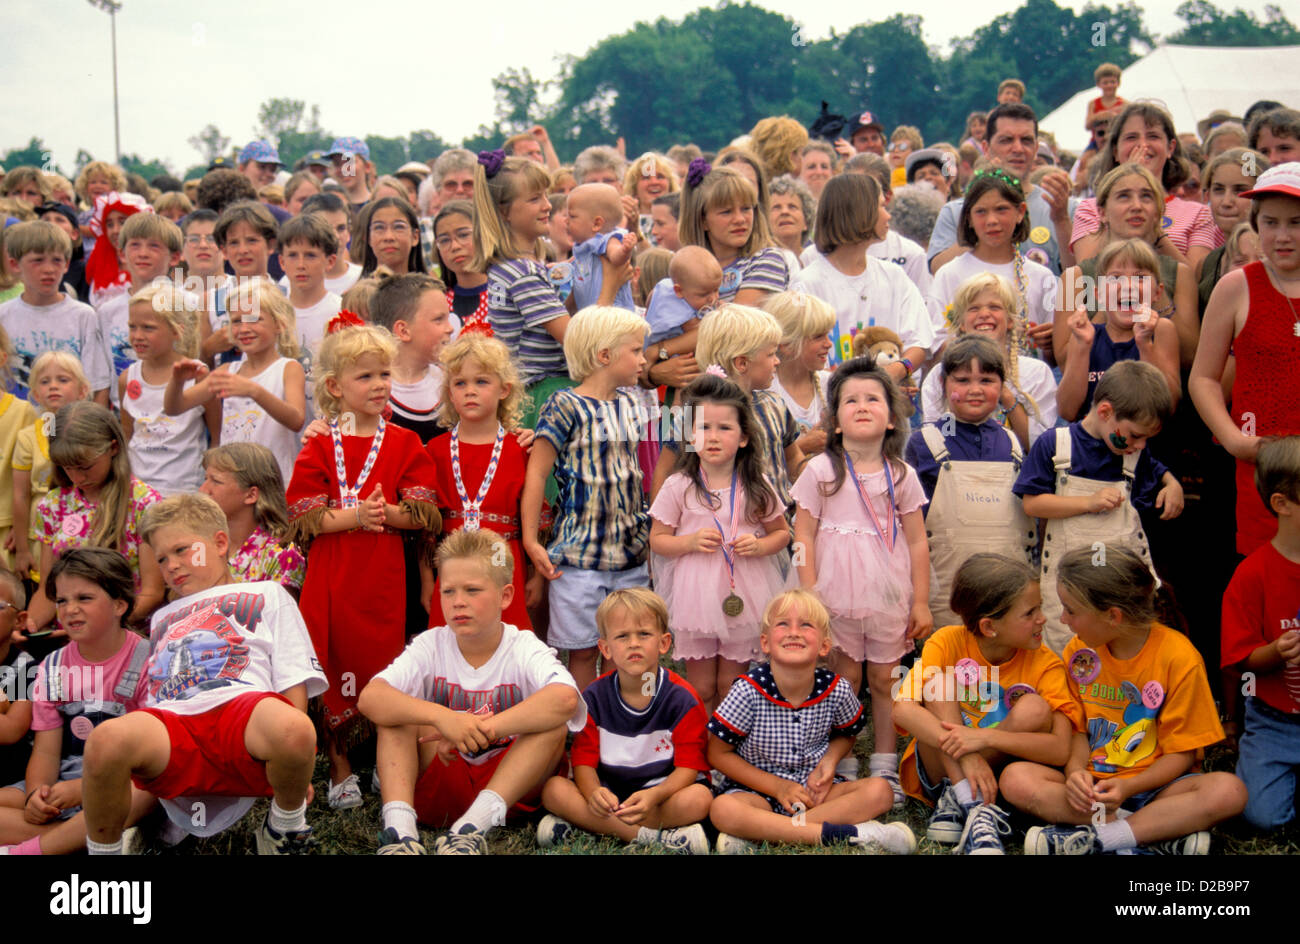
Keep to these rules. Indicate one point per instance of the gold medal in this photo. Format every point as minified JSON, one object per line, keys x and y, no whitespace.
{"x":733,"y":605}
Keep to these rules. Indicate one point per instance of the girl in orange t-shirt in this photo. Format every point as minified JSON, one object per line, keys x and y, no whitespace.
{"x":1132,"y":780}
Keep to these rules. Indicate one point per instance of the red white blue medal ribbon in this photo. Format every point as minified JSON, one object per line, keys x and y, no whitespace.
{"x":349,"y":496}
{"x":473,"y":509}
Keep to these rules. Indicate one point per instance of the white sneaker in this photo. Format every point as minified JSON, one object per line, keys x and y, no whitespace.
{"x":948,"y":820}
{"x":734,"y":845}
{"x":132,"y":841}
{"x":894,"y":838}
{"x":552,"y":831}
{"x":346,"y":795}
{"x":688,"y":839}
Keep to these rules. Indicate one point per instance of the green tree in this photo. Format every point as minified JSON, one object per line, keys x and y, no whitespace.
{"x":1207,"y":25}
{"x":209,"y":142}
{"x":276,"y":116}
{"x":424,"y":145}
{"x":35,"y":154}
{"x":134,"y":164}
{"x":387,"y":154}
{"x":518,"y":97}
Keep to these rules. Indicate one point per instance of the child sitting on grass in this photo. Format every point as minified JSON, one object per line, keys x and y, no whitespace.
{"x":488,"y":701}
{"x":641,"y":782}
{"x":783,"y":788}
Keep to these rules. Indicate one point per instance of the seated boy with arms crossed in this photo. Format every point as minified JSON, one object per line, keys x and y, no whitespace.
{"x":638,"y":761}
{"x":225,"y":711}
{"x":487,"y":701}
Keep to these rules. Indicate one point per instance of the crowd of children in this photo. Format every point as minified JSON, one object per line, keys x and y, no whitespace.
{"x":657,"y":500}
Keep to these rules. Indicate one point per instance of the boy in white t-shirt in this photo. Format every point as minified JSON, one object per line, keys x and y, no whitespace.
{"x":472,"y":716}
{"x":43,"y":318}
{"x":308,"y":248}
{"x":225,"y":717}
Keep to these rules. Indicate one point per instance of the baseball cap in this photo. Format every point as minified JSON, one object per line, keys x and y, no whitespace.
{"x":263,"y":152}
{"x":316,"y":159}
{"x":63,"y":209}
{"x":347,"y":147}
{"x":865,"y":120}
{"x":414,"y":167}
{"x":221,"y":162}
{"x":1283,"y":179}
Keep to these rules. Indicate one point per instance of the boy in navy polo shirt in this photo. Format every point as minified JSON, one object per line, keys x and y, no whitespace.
{"x":1089,"y":479}
{"x":637,"y":763}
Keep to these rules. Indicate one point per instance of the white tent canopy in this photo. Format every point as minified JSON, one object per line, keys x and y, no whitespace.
{"x":1191,"y":81}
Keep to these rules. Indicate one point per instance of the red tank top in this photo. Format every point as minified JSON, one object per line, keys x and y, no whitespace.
{"x":1268,"y":355}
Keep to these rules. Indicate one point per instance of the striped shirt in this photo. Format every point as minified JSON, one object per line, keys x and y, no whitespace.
{"x":765,"y":270}
{"x":1186,"y":224}
{"x":521,"y":301}
{"x":601,"y":522}
{"x":633,"y":749}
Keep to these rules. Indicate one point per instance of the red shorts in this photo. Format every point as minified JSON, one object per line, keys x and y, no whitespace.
{"x":208,"y":756}
{"x":443,"y":794}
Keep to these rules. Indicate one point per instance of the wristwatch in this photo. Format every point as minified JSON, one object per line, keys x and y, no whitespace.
{"x":663,"y":354}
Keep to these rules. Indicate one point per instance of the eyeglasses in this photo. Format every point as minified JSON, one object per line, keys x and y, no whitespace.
{"x":397,"y":229}
{"x":198,"y":239}
{"x":5,"y":604}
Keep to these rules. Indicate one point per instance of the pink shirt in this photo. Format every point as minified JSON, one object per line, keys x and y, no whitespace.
{"x":1186,"y":223}
{"x":86,"y":681}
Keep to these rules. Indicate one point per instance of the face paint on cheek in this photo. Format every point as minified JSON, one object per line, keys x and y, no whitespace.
{"x":1118,"y":441}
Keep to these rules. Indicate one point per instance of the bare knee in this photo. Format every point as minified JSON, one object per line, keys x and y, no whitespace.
{"x":110,"y":744}
{"x":1031,"y":712}
{"x":1225,"y":794}
{"x":1019,"y":783}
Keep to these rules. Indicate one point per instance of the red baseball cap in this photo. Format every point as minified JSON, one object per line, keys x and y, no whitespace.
{"x":1283,"y":179}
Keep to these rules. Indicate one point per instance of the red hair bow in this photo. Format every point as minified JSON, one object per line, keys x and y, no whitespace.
{"x":344,"y":319}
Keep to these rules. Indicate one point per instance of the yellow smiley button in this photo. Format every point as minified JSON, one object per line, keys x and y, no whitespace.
{"x":1040,"y":234}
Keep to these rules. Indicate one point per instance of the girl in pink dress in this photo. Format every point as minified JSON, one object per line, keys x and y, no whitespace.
{"x":717,"y":524}
{"x":860,"y":543}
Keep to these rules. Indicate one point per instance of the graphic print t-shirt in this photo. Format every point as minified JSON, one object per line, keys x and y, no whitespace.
{"x":221,"y":643}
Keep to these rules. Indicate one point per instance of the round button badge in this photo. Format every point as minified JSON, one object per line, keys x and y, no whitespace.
{"x":1014,"y":692}
{"x":1131,"y":692}
{"x":82,"y":726}
{"x":966,"y":671}
{"x":1153,"y":694}
{"x":1084,"y":666}
{"x":1040,"y":234}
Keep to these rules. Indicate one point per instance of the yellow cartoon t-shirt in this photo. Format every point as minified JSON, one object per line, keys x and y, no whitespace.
{"x":1140,"y":709}
{"x":952,"y":667}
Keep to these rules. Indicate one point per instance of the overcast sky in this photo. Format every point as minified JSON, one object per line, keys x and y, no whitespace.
{"x":375,"y":67}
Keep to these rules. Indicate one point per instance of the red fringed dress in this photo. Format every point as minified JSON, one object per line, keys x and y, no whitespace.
{"x":354,"y":595}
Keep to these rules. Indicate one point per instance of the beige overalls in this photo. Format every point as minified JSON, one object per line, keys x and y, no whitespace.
{"x":972,"y":510}
{"x":1120,"y":526}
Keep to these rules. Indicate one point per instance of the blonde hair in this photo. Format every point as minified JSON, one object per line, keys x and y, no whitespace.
{"x":1121,"y":581}
{"x":807,"y":603}
{"x":115,"y":175}
{"x":169,"y":306}
{"x":173,"y":200}
{"x":662,"y":165}
{"x":264,"y":297}
{"x":965,"y":296}
{"x":357,"y":299}
{"x":197,"y":513}
{"x":83,"y":432}
{"x":7,"y":353}
{"x":255,"y":466}
{"x":338,"y":352}
{"x":594,"y":329}
{"x":495,"y":358}
{"x":722,"y":187}
{"x":735,"y":331}
{"x":485,"y":546}
{"x":1135,"y":251}
{"x":800,"y":317}
{"x":655,"y":265}
{"x":774,"y":140}
{"x":60,"y":360}
{"x":909,"y":133}
{"x":638,"y":601}
{"x":493,"y":240}
{"x":36,"y":236}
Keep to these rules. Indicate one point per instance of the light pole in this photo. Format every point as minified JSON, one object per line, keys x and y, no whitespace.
{"x":111,"y":7}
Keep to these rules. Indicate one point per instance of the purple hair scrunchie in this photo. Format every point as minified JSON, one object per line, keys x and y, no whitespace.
{"x":491,"y":161}
{"x":697,"y":171}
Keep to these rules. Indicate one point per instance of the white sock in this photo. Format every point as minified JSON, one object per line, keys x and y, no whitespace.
{"x":487,"y":810}
{"x":104,"y":848}
{"x":962,"y":792}
{"x":1115,"y":836}
{"x":848,"y":767}
{"x":288,"y":821}
{"x":645,"y":836}
{"x":400,"y":817}
{"x":881,"y":763}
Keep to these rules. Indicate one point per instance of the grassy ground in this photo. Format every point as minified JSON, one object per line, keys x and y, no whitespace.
{"x":352,"y":832}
